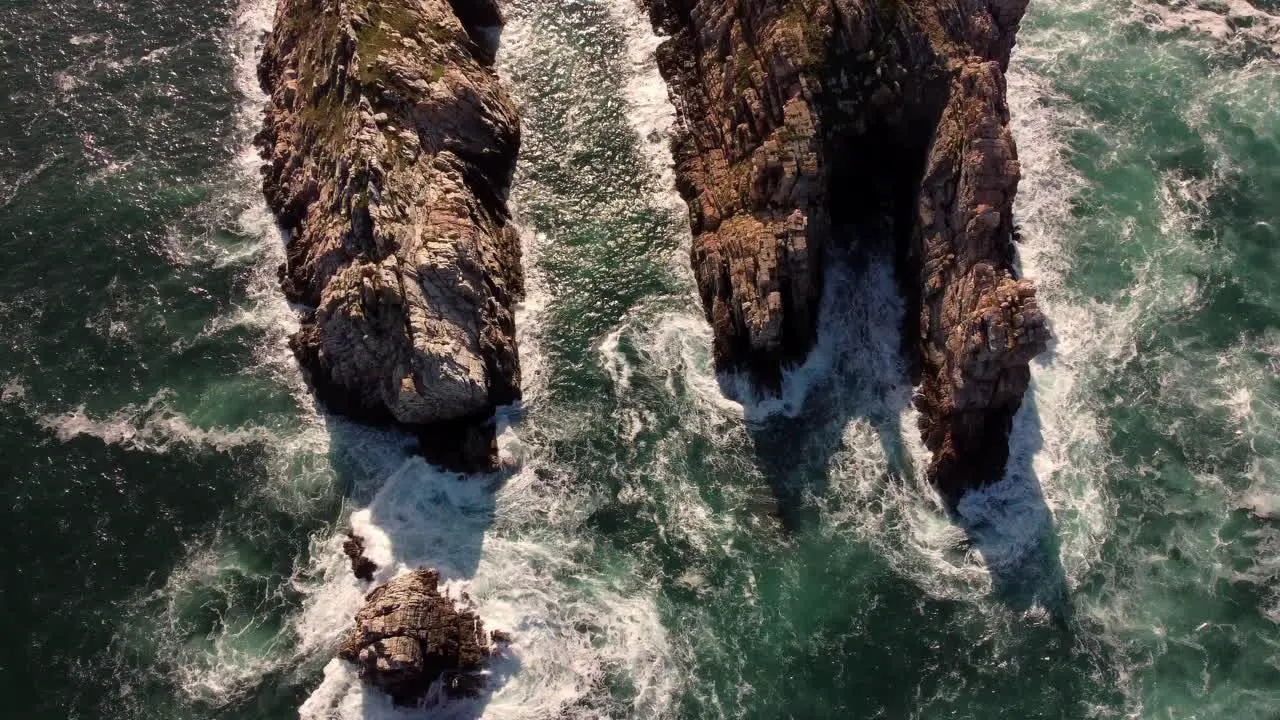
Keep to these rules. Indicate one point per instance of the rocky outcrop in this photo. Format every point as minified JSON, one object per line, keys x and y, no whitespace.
{"x":361,"y":567}
{"x":390,"y":145}
{"x":811,"y":124}
{"x":408,"y":637}
{"x":979,"y":326}
{"x":749,"y":163}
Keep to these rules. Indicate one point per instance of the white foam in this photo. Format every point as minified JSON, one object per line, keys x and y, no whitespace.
{"x":227,"y":663}
{"x":858,"y":338}
{"x":1072,"y":459}
{"x":614,"y":362}
{"x":156,"y":425}
{"x":675,"y":345}
{"x":13,"y":390}
{"x":1062,"y":444}
{"x":1222,"y":20}
{"x":651,"y":113}
{"x":153,"y":426}
{"x":232,"y":657}
{"x":877,"y":488}
{"x":530,"y":314}
{"x":10,"y":189}
{"x":1092,"y":334}
{"x":521,"y":565}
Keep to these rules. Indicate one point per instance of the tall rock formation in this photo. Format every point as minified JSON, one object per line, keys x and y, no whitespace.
{"x":979,"y":326}
{"x":807,"y":122}
{"x":390,"y":145}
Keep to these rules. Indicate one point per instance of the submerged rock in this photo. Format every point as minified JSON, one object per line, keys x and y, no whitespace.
{"x":807,"y":125}
{"x":408,"y":636}
{"x":390,"y":146}
{"x":362,"y":567}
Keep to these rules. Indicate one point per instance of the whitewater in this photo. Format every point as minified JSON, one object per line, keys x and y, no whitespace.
{"x":665,"y":543}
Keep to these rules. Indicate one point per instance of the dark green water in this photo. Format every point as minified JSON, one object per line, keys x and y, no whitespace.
{"x":174,"y":500}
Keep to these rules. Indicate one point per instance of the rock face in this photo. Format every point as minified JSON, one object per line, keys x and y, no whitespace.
{"x":979,"y":326}
{"x":390,"y":145}
{"x":809,"y":124}
{"x":408,"y":636}
{"x":749,"y":163}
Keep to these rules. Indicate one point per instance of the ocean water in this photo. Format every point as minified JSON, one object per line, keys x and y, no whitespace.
{"x":174,"y":502}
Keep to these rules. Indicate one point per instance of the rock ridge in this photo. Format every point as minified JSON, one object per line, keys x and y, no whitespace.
{"x":390,"y":145}
{"x":810,"y":125}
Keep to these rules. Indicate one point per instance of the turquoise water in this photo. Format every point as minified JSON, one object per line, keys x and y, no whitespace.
{"x":175,"y":502}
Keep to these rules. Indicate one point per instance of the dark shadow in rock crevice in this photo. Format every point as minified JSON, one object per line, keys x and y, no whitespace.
{"x":854,"y":373}
{"x":857,"y":374}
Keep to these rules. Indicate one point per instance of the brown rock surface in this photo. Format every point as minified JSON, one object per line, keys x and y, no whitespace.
{"x":979,"y":326}
{"x":390,"y":145}
{"x":805,"y":122}
{"x":409,"y":636}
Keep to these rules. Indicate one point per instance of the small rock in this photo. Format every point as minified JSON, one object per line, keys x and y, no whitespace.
{"x":408,"y":637}
{"x":361,"y":566}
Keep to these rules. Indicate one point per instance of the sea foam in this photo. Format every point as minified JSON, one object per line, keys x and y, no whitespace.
{"x":513,"y":544}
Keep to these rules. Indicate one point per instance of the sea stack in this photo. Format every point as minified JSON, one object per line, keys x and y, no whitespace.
{"x":806,"y":124}
{"x":408,"y":637}
{"x":390,"y":145}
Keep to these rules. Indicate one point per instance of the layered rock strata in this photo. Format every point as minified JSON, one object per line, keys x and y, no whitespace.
{"x":408,"y":637}
{"x":808,"y":124}
{"x":390,"y":145}
{"x":979,"y":325}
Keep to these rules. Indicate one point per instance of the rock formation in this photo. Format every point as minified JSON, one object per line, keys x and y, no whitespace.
{"x":362,"y":567}
{"x":806,"y":124}
{"x":408,"y":636}
{"x":390,"y":145}
{"x":979,"y":326}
